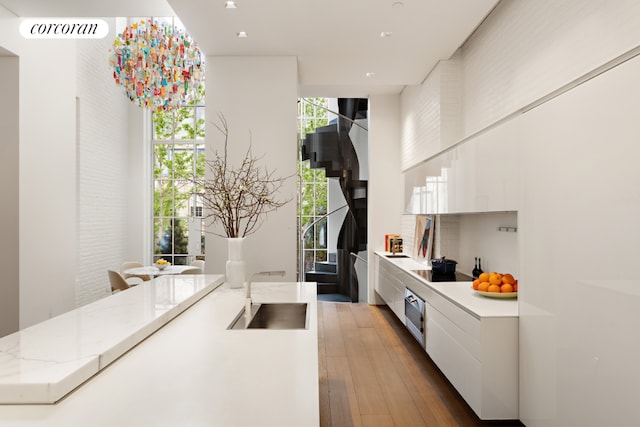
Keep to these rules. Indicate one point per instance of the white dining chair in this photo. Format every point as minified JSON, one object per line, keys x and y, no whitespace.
{"x":117,"y":281}
{"x":131,"y":278}
{"x":199,"y":264}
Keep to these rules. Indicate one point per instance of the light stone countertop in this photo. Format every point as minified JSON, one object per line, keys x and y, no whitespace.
{"x":460,"y":293}
{"x":44,"y":362}
{"x":196,"y":372}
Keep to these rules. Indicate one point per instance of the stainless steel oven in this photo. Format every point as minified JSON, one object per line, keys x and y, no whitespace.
{"x":414,"y":315}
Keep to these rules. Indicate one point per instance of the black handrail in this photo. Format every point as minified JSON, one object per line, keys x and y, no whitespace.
{"x":355,"y":255}
{"x":304,"y":233}
{"x":353,"y":122}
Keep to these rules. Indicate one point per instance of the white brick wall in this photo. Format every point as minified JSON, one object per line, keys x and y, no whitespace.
{"x":527,"y":49}
{"x":451,"y":119}
{"x":479,"y":237}
{"x":446,"y":235}
{"x":517,"y":56}
{"x":432,"y":113}
{"x":101,"y":173}
{"x":408,"y":233}
{"x":420,"y":112}
{"x":446,"y":240}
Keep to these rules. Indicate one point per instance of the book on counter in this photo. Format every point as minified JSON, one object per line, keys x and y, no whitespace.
{"x":393,"y":243}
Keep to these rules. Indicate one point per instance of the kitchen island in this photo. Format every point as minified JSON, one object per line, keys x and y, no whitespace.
{"x":196,"y":372}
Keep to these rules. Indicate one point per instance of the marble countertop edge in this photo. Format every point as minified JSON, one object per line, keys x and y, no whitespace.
{"x":34,"y":369}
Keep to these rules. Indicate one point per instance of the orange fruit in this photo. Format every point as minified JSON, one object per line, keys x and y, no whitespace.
{"x":506,"y":288}
{"x":495,"y":279}
{"x":476,"y":283}
{"x":493,"y":288}
{"x":515,"y":286}
{"x":484,"y":277}
{"x":508,"y":278}
{"x":483,"y":286}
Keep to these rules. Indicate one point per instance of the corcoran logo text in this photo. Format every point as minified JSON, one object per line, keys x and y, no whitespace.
{"x":64,"y":28}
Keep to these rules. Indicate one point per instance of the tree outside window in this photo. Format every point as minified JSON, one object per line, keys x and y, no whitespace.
{"x":178,"y":162}
{"x":312,"y":186}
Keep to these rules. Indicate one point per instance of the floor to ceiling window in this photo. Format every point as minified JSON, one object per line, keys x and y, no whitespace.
{"x":178,"y":161}
{"x":312,"y":186}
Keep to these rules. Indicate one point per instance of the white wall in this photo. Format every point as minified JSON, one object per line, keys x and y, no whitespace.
{"x":573,"y":183}
{"x":138,"y":187}
{"x":47,"y":214}
{"x":479,"y":237}
{"x":63,"y":219}
{"x":257,"y":95}
{"x":47,"y":180}
{"x":109,"y":168}
{"x":9,"y":191}
{"x":432,"y":113}
{"x":384,"y":200}
{"x":526,"y":50}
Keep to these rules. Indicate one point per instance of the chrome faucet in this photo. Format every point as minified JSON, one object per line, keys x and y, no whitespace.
{"x":247,"y":306}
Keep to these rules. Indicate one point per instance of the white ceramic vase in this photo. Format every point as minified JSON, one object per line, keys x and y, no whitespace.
{"x":236,"y":266}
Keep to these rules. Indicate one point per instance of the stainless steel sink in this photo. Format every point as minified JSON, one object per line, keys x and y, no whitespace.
{"x":273,"y":316}
{"x":397,"y":256}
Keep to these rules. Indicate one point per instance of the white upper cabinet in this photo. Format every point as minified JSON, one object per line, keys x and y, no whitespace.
{"x":444,"y":172}
{"x":481,"y":174}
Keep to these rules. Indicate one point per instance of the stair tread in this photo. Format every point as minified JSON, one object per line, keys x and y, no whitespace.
{"x":326,"y":266}
{"x":324,"y":277}
{"x":326,"y":288}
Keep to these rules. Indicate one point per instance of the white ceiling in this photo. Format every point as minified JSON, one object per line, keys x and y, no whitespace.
{"x":87,"y":8}
{"x":337,"y":42}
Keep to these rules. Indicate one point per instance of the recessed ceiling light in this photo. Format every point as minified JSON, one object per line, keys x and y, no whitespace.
{"x":386,"y":34}
{"x":230,"y":5}
{"x":242,"y":34}
{"x":397,"y":4}
{"x":370,"y":74}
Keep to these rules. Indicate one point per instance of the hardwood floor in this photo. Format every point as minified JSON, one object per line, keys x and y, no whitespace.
{"x":374,"y":374}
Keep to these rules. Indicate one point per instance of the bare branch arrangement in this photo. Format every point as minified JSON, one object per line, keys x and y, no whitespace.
{"x":239,"y":198}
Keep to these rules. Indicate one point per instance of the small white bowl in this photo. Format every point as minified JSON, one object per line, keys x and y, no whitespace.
{"x":162,"y":266}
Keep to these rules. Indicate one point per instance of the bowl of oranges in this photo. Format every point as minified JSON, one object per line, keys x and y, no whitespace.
{"x":496,"y":285}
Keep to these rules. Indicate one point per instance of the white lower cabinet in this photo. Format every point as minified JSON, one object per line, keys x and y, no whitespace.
{"x":477,"y":354}
{"x":484,"y":368}
{"x":390,"y":288}
{"x":454,"y":360}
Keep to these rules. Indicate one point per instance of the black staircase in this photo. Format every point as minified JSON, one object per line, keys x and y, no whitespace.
{"x":331,"y":148}
{"x":326,"y":274}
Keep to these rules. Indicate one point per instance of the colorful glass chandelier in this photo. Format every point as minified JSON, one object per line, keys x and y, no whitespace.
{"x":159,"y":67}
